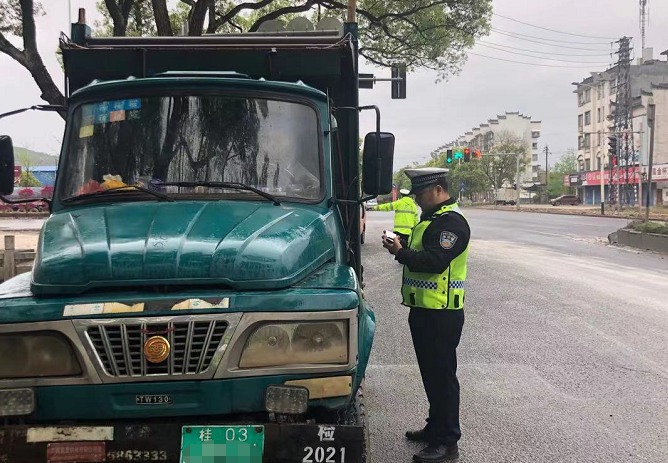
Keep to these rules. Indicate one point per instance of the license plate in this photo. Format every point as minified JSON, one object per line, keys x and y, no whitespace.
{"x":158,"y":399}
{"x":207,"y":444}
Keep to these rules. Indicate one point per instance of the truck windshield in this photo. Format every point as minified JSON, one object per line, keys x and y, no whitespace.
{"x":270,"y":145}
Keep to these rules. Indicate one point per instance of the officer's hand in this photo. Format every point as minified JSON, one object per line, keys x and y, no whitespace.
{"x":392,"y":246}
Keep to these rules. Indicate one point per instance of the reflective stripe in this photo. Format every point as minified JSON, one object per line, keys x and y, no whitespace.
{"x":420,"y":283}
{"x":399,"y":211}
{"x":456,"y":284}
{"x":403,"y":226}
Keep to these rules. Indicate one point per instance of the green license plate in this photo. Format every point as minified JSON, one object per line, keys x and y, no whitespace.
{"x":207,"y":444}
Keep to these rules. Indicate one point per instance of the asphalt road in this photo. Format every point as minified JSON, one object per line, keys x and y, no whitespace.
{"x":564,"y":355}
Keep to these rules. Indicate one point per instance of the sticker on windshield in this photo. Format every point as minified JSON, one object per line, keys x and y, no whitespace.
{"x":110,"y":111}
{"x":117,"y":116}
{"x":100,"y":308}
{"x":86,"y":131}
{"x":195,"y":304}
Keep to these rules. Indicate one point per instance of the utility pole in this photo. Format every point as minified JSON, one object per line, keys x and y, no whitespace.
{"x":547,"y":172}
{"x":517,"y":184}
{"x":650,"y":122}
{"x":623,"y":119}
{"x":352,"y":11}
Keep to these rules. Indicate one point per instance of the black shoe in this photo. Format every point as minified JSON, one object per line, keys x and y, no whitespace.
{"x":437,"y":454}
{"x":418,"y":436}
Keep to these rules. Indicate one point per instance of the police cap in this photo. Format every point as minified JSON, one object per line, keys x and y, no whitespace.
{"x":423,"y":177}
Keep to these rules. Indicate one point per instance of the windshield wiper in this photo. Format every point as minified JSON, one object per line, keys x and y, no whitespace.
{"x":94,"y":194}
{"x":231,"y":185}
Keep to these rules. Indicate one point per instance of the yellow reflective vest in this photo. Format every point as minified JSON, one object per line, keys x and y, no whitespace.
{"x":405,"y":214}
{"x":432,"y":290}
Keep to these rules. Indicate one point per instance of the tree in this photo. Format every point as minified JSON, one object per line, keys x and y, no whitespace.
{"x":28,"y":180}
{"x":568,"y":163}
{"x":422,"y":34}
{"x":472,"y":175}
{"x":17,"y":18}
{"x":502,"y":169}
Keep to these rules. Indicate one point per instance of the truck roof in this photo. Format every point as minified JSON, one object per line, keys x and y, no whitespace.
{"x":197,"y":82}
{"x":320,"y":59}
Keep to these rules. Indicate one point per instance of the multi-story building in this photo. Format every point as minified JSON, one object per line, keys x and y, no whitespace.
{"x":515,"y":123}
{"x":596,"y":96}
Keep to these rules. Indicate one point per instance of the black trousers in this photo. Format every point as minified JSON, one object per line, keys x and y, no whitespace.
{"x":436,"y":335}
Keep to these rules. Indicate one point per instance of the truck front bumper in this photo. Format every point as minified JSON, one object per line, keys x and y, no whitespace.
{"x":161,"y":442}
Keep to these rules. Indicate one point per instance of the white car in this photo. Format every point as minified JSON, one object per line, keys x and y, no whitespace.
{"x":371,"y":203}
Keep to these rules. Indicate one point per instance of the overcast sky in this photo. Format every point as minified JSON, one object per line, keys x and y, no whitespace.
{"x":434,"y":113}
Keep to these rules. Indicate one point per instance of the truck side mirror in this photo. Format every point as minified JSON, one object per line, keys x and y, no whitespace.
{"x":377,"y":165}
{"x":6,"y":165}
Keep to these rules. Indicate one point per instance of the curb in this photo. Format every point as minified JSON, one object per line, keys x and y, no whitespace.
{"x":557,"y":212}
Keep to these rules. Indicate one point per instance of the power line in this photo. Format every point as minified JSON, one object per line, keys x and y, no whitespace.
{"x":551,"y":40}
{"x":549,"y":44}
{"x":544,"y":52}
{"x":541,"y":57}
{"x":551,"y":30}
{"x":529,"y":64}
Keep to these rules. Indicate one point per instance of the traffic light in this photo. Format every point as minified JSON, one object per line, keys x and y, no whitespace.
{"x":448,"y":156}
{"x":467,"y":155}
{"x":612,"y":144}
{"x":614,"y":160}
{"x":478,"y":154}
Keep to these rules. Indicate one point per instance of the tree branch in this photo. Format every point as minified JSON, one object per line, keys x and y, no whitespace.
{"x":7,"y":48}
{"x":282,"y":11}
{"x":230,"y":15}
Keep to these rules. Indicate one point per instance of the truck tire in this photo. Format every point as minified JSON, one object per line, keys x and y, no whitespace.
{"x":355,"y":414}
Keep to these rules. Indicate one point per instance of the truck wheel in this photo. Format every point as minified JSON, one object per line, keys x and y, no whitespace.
{"x":355,"y":415}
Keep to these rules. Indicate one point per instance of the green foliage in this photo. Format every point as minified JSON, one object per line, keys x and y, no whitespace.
{"x":502,"y":169}
{"x":472,"y":175}
{"x":650,"y":227}
{"x":567,"y":164}
{"x":141,"y":21}
{"x":28,"y":179}
{"x":11,"y":16}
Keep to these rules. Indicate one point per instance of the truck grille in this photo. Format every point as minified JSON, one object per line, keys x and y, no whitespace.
{"x":193,"y":343}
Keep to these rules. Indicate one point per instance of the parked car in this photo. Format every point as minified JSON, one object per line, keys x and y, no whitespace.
{"x":566,"y":200}
{"x":370,"y":204}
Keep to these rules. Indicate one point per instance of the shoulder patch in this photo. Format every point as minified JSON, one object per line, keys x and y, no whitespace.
{"x":448,"y":239}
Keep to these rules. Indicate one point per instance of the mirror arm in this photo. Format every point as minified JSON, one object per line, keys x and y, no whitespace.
{"x":39,"y":107}
{"x":355,"y":203}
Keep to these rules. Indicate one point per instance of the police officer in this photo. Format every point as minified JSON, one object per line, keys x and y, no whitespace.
{"x":405,"y":213}
{"x":434,"y":260}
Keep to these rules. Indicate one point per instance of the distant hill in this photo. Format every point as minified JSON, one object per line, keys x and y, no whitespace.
{"x":35,"y":158}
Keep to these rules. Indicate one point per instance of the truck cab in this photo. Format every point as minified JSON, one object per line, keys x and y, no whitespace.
{"x":197,"y":290}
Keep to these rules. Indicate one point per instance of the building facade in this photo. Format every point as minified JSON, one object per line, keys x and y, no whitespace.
{"x":520,"y":125}
{"x":595,"y":120}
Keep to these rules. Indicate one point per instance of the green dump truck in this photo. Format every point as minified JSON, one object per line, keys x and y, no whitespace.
{"x":197,"y":290}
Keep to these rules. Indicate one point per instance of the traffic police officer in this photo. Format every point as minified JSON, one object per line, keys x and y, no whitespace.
{"x":405,"y":213}
{"x":434,"y":260}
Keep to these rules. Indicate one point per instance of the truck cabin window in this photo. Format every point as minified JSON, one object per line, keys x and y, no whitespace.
{"x":267,"y":144}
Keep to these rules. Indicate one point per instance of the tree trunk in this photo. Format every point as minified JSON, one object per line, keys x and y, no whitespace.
{"x":161,"y":14}
{"x":197,"y":17}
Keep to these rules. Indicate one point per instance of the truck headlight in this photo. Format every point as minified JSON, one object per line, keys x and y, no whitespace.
{"x":37,"y":354}
{"x":280,"y":344}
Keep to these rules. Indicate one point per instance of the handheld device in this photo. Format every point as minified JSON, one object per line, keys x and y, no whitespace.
{"x":389,"y":236}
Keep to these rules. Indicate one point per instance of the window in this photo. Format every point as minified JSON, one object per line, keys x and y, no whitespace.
{"x":534,"y":168}
{"x":581,"y":99}
{"x":535,"y":158}
{"x":587,"y":140}
{"x":534,"y":146}
{"x":587,"y":95}
{"x":271,"y":145}
{"x":598,"y":115}
{"x":588,"y":118}
{"x":581,"y":142}
{"x":580,"y":120}
{"x":599,"y":136}
{"x":535,"y":134}
{"x":587,"y":164}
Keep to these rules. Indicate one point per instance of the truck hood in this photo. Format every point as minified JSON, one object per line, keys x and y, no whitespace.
{"x":239,"y":244}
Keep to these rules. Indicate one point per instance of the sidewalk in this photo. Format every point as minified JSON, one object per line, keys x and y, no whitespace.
{"x":656,"y":213}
